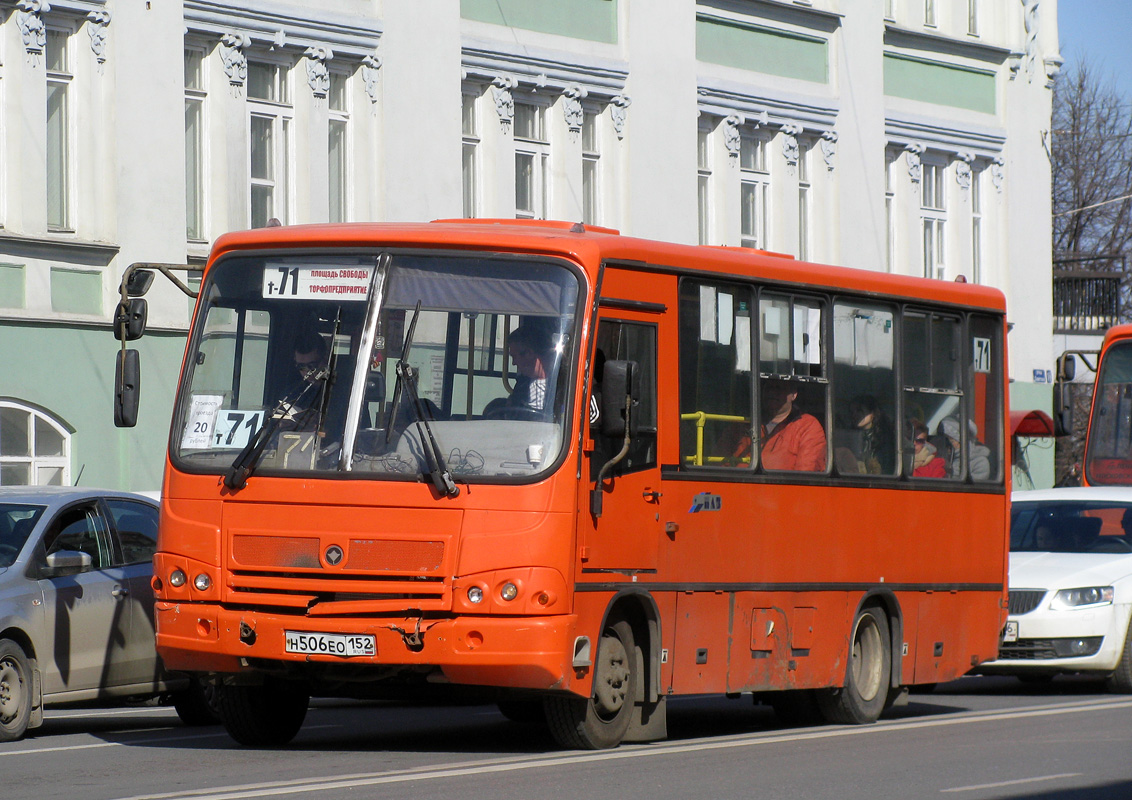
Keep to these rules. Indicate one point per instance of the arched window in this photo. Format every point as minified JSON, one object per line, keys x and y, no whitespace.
{"x":35,"y":448}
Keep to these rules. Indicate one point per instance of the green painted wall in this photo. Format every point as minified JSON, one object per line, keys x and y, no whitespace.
{"x":595,"y":20}
{"x":732,"y":44}
{"x":941,"y":84}
{"x":76,"y":291}
{"x":13,"y":292}
{"x":70,"y":373}
{"x":1039,"y":452}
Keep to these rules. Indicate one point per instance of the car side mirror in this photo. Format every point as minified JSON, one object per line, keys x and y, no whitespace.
{"x":68,"y":562}
{"x":620,"y":396}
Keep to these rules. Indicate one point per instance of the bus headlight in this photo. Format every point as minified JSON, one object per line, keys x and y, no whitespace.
{"x":509,"y":591}
{"x":177,"y":578}
{"x":202,"y":582}
{"x":475,"y":595}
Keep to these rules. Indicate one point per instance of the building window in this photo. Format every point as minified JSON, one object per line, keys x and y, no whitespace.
{"x":754,"y":189}
{"x":973,"y":17}
{"x":59,"y":77}
{"x":532,"y":154}
{"x":591,"y":161}
{"x":977,"y":226}
{"x":930,"y":13}
{"x":890,"y":10}
{"x":890,"y":209}
{"x":933,"y":214}
{"x":194,"y":144}
{"x":270,"y":115}
{"x":470,"y":170}
{"x":35,"y":450}
{"x":337,"y":147}
{"x":703,"y":187}
{"x":804,"y":199}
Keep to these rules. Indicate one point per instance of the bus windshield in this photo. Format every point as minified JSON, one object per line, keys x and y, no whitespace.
{"x":384,"y":364}
{"x":1108,"y":452}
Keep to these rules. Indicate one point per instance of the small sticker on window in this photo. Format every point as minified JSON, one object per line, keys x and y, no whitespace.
{"x":981,"y":355}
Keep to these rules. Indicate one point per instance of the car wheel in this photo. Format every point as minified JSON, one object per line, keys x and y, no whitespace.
{"x":15,"y":691}
{"x":1120,"y":681}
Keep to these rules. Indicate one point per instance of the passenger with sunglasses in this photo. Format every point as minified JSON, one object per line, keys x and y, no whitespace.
{"x":926,"y":462}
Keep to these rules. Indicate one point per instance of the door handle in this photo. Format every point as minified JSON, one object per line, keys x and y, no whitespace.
{"x":652,"y":495}
{"x":120,"y":592}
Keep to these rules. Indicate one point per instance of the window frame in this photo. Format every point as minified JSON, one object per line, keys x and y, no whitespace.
{"x":60,"y":179}
{"x":281,"y":114}
{"x":34,"y":461}
{"x":535,"y":146}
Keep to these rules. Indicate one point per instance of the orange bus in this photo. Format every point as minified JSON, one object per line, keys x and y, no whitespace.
{"x":1108,"y":442}
{"x":577,"y":471}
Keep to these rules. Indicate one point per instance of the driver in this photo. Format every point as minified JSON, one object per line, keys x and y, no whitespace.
{"x":531,"y":349}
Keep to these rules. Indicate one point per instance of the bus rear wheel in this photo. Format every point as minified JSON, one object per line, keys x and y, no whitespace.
{"x":268,"y":715}
{"x":601,"y":721}
{"x":863,"y":697}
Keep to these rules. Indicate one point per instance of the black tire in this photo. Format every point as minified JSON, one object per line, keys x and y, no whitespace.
{"x":196,"y":705}
{"x":269,"y":715}
{"x":600,"y":722}
{"x":795,"y":708}
{"x":527,"y":712}
{"x":1120,"y":681}
{"x":867,"y":677}
{"x":15,"y":691}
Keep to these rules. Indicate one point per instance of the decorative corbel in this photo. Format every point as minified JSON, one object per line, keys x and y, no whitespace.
{"x":97,"y":22}
{"x":732,"y":138}
{"x":998,"y":172}
{"x":501,"y":90}
{"x":235,"y":61}
{"x":963,"y":169}
{"x":279,"y":40}
{"x":318,"y":74}
{"x":1053,"y":68}
{"x":572,"y":107}
{"x":619,"y":110}
{"x":829,"y":148}
{"x":371,"y":69}
{"x":913,"y":152}
{"x":30,"y":21}
{"x":790,"y":149}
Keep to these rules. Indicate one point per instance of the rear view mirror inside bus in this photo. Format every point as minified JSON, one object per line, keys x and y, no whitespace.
{"x":620,"y":396}
{"x":127,"y":388}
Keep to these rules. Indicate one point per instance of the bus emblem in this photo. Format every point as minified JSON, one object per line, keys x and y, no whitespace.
{"x":706,"y":501}
{"x":334,"y":555}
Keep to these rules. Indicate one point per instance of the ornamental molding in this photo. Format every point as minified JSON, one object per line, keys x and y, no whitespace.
{"x":371,"y":71}
{"x":619,"y":111}
{"x":732,"y":138}
{"x":790,"y":149}
{"x":828,"y":144}
{"x":501,"y":91}
{"x":998,"y":172}
{"x":572,"y":97}
{"x":29,"y":19}
{"x":912,"y":153}
{"x":318,"y":73}
{"x":963,"y":163}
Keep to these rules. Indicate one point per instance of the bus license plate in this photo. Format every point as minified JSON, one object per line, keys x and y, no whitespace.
{"x":1011,"y":632}
{"x":330,"y":644}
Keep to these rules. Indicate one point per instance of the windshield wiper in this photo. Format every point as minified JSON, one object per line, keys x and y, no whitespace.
{"x":438,"y":471}
{"x":236,"y":477}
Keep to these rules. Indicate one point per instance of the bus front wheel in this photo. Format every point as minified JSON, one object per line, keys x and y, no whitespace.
{"x":601,"y":721}
{"x":267,"y":715}
{"x":863,"y":697}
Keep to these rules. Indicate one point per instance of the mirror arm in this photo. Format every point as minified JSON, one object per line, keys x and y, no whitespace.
{"x":597,"y":491}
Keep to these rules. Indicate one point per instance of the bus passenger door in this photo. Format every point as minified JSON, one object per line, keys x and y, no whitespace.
{"x":625,"y":536}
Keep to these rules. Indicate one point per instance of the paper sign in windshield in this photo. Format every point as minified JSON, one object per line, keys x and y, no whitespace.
{"x":316,"y":283}
{"x":202,"y":419}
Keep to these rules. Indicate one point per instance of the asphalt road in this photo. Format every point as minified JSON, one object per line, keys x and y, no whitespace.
{"x":972,"y":739}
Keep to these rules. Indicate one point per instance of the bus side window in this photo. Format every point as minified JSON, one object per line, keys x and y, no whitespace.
{"x":626,"y":341}
{"x":864,"y":388}
{"x":933,"y":394}
{"x":986,"y":396}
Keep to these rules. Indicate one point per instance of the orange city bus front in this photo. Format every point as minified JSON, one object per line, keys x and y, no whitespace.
{"x":1108,"y":444}
{"x":359,"y":488}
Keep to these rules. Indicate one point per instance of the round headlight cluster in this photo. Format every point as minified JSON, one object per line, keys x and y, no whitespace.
{"x":177,"y":578}
{"x":202,"y":582}
{"x":475,"y":595}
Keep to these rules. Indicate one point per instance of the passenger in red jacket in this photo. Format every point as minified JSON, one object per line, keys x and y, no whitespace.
{"x":791,"y":439}
{"x":926,"y":462}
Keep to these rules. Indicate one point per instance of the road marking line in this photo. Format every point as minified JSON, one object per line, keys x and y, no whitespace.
{"x":465,"y":769}
{"x":1012,"y":783}
{"x":64,"y":748}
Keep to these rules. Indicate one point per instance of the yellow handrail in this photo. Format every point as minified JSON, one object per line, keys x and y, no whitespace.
{"x":701,"y":418}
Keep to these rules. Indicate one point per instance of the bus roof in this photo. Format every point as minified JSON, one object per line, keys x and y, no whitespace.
{"x":591,"y":245}
{"x":1117,"y":332}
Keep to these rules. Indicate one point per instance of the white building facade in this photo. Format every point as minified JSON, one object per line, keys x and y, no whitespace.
{"x":908,"y":136}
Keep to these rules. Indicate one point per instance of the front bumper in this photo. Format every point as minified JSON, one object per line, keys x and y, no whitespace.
{"x":1044,"y":635}
{"x":514,"y":652}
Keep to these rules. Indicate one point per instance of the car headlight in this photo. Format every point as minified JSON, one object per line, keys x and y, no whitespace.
{"x":1079,"y":598}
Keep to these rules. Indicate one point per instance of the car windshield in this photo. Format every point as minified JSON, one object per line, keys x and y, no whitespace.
{"x":1071,"y":527}
{"x":16,"y":523}
{"x":392,"y":364}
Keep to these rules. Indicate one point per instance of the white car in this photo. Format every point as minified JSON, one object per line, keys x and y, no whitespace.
{"x":1070,"y":586}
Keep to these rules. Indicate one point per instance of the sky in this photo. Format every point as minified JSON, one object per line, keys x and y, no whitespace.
{"x":1097,"y":32}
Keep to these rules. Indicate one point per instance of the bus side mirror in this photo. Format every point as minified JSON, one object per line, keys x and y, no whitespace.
{"x":620,"y":389}
{"x":1062,"y":409}
{"x":1066,"y":367}
{"x":127,"y":388}
{"x":130,"y":320}
{"x":139,"y":282}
